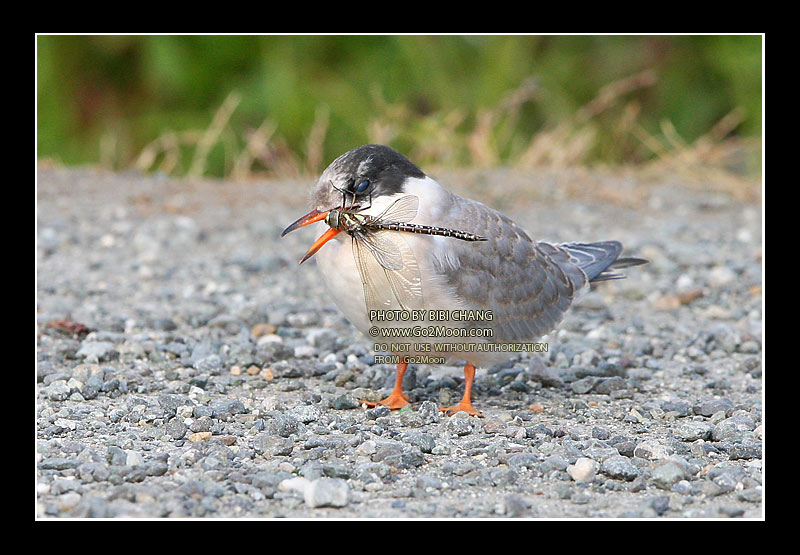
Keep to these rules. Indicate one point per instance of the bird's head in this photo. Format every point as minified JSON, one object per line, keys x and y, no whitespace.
{"x":354,"y":181}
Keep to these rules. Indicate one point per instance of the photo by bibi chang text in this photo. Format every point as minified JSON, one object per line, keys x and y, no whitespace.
{"x":430,"y":315}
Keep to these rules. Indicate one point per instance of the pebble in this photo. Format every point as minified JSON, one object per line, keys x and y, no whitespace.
{"x":58,"y":463}
{"x":346,"y":402}
{"x":667,"y":474}
{"x":57,"y":390}
{"x":746,"y":449}
{"x":733,"y":428}
{"x":731,"y":512}
{"x":620,"y":468}
{"x":712,"y":406}
{"x":327,"y":492}
{"x":516,"y":506}
{"x":551,"y":463}
{"x":584,"y":470}
{"x":543,"y":374}
{"x":96,"y":350}
{"x":720,"y":276}
{"x":305,"y":413}
{"x":751,"y":495}
{"x":682,"y":487}
{"x":199,"y":436}
{"x":176,"y":428}
{"x":459,"y":425}
{"x":298,"y":485}
{"x":584,"y":385}
{"x":692,"y":430}
{"x":652,"y":450}
{"x":283,"y":425}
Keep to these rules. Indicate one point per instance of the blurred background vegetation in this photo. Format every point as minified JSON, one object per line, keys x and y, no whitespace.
{"x":246,"y":107}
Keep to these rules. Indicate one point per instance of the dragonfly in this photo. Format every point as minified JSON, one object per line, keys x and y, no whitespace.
{"x":382,"y":255}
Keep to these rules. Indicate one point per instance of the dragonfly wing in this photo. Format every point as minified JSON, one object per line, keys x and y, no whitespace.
{"x":388,"y":267}
{"x":373,"y":277}
{"x":383,"y":247}
{"x":406,"y":282}
{"x":401,"y":211}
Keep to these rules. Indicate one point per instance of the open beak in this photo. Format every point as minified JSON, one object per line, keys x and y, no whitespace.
{"x":313,"y":216}
{"x":310,"y":218}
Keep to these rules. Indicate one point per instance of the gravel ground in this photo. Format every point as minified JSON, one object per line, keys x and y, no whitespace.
{"x":188,"y":367}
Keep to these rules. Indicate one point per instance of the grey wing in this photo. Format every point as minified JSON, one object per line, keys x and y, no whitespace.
{"x":527,"y":290}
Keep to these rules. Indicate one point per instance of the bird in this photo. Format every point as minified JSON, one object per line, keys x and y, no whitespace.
{"x":400,"y":246}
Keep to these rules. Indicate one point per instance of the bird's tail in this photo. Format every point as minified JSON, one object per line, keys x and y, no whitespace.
{"x":600,"y":260}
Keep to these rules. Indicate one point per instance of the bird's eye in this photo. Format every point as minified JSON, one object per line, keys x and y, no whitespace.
{"x":363,"y":186}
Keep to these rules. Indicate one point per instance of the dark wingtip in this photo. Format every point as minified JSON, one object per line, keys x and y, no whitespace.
{"x":609,"y":273}
{"x":629,"y":261}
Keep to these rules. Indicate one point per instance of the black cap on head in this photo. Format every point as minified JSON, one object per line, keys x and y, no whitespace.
{"x":385,"y":168}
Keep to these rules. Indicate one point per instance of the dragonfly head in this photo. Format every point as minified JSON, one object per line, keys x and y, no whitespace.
{"x":332,"y":219}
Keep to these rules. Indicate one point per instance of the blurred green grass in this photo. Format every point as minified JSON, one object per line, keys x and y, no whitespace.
{"x":244,"y":106}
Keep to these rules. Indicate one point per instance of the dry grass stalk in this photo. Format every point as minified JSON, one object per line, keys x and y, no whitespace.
{"x":280,"y":161}
{"x":256,"y":146}
{"x":571,"y":141}
{"x":438,"y":138}
{"x":707,"y":162}
{"x":495,"y":128}
{"x":211,"y":135}
{"x":609,"y":94}
{"x":316,"y":140}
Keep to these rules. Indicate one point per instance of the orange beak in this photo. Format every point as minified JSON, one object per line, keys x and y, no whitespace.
{"x":310,"y":218}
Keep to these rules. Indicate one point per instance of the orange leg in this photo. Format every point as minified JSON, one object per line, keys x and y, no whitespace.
{"x":396,"y":399}
{"x":465,"y":404}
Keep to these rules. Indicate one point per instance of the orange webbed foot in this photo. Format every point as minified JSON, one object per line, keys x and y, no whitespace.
{"x":461,"y":407}
{"x":395,"y":401}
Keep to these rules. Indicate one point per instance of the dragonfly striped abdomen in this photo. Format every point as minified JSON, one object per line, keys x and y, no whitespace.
{"x":428,"y":230}
{"x":351,"y":221}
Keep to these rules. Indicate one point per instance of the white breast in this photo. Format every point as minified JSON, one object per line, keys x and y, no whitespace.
{"x":341,"y":278}
{"x":343,"y":281}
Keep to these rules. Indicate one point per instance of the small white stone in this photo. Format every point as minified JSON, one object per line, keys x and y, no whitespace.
{"x":294,"y":484}
{"x":652,"y":451}
{"x":327,"y":492}
{"x":721,"y":275}
{"x":369,"y":447}
{"x":584,"y":470}
{"x":269,"y":338}
{"x":66,"y":423}
{"x":684,"y":282}
{"x":107,"y":241}
{"x":133,"y":459}
{"x":304,"y":351}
